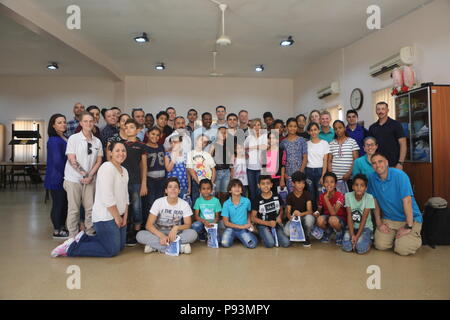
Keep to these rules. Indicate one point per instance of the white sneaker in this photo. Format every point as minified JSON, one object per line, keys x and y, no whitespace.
{"x":149,"y":249}
{"x":185,"y":248}
{"x":79,"y":235}
{"x":61,"y":250}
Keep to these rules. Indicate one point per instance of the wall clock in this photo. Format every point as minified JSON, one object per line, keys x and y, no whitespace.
{"x":356,"y":99}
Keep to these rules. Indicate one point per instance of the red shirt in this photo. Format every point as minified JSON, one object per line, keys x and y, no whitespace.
{"x":338,"y":197}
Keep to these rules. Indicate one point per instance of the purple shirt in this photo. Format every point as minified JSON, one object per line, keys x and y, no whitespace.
{"x":358,"y":135}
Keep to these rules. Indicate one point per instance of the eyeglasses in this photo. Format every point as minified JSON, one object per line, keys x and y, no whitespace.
{"x":89,"y":149}
{"x":370,"y":145}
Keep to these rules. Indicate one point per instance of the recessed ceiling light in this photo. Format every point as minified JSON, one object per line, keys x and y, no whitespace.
{"x":53,"y":66}
{"x":160,"y":66}
{"x":142,"y":38}
{"x":287,"y":42}
{"x":259,"y":68}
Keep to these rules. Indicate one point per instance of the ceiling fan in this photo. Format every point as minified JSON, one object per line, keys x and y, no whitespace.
{"x":223,"y":40}
{"x":213,"y":73}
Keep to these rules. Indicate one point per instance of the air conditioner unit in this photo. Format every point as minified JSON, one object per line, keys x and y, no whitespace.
{"x":404,"y":57}
{"x":333,"y":88}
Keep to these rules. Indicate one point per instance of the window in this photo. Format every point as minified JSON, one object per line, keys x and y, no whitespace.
{"x":26,"y":153}
{"x":337,"y":113}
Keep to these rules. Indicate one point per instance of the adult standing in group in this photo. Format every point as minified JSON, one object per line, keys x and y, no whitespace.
{"x":161,"y":122}
{"x":192,"y":116}
{"x":301,"y":127}
{"x":390,"y":136}
{"x":221,"y":113}
{"x":206,"y":130}
{"x":356,"y":131}
{"x":54,"y":174}
{"x":397,"y":216}
{"x":243,"y":122}
{"x":95,"y":111}
{"x":172,"y":115}
{"x":109,"y":213}
{"x":232,"y":122}
{"x":138,"y":115}
{"x":111,"y":127}
{"x":149,"y":121}
{"x":326,"y":131}
{"x":180,"y":130}
{"x":268,"y":120}
{"x":363,"y":165}
{"x":314,"y":116}
{"x":84,"y":157}
{"x":72,"y":125}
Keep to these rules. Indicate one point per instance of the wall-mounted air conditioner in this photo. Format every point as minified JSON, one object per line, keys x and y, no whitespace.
{"x":404,"y":57}
{"x":333,"y":88}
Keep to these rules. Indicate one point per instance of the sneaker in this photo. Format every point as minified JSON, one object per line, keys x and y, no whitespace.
{"x":131,"y":239}
{"x":149,"y":249}
{"x":61,"y":250}
{"x":325,"y":238}
{"x":202,"y":236}
{"x":339,"y":238}
{"x":185,"y":248}
{"x":79,"y":235}
{"x":317,"y":233}
{"x":306,"y":243}
{"x":61,"y":235}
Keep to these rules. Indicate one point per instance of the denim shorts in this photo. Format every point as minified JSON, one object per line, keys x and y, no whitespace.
{"x":341,"y":220}
{"x":222,"y":180}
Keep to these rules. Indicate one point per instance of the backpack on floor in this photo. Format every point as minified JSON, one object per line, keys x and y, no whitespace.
{"x":436,"y":226}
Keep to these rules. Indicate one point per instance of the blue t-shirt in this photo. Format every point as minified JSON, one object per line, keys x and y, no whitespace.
{"x":363,"y":166}
{"x":237,"y":214}
{"x":358,"y":134}
{"x":390,"y":192}
{"x":328,"y":137}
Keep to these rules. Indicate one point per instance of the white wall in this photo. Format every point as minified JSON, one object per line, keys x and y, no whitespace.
{"x":426,"y":29}
{"x":205,"y":94}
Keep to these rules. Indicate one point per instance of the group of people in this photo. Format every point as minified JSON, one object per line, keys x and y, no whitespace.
{"x":153,"y":180}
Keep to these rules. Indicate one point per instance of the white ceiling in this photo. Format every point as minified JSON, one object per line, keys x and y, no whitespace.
{"x":183,"y":34}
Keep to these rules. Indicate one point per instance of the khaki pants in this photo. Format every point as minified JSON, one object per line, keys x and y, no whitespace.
{"x":406,"y":245}
{"x":78,"y":194}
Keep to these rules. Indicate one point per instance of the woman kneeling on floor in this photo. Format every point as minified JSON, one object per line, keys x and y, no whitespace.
{"x":164,"y":222}
{"x":109,"y":213}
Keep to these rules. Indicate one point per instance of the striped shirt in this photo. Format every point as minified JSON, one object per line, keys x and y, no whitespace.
{"x":342,"y":156}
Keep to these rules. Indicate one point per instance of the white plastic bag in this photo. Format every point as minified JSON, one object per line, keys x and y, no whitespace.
{"x":174,"y":247}
{"x":296,"y":230}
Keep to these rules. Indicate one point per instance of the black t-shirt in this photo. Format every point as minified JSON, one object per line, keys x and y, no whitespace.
{"x":155,"y":162}
{"x":387,"y":137}
{"x":135,"y":150}
{"x":305,"y":135}
{"x":267,"y":209}
{"x":298,"y":203}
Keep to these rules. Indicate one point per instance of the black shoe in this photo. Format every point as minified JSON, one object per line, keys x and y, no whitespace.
{"x":61,"y":235}
{"x":306,"y":243}
{"x":131,"y":239}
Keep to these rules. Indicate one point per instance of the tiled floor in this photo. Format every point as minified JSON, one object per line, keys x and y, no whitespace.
{"x":320,"y":272}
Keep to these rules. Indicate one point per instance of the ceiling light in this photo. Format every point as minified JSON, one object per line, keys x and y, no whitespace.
{"x":160,"y":66}
{"x":259,"y":68}
{"x":142,"y":39}
{"x":287,"y":42}
{"x":53,"y":66}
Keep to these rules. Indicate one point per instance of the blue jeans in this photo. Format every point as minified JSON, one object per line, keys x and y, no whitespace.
{"x":313,"y":176}
{"x":247,"y":238}
{"x":155,"y":189}
{"x":59,"y":209}
{"x":362,"y":245}
{"x":200,"y":229}
{"x":222,"y":180}
{"x":252,"y":177}
{"x":195,"y":193}
{"x":267,"y":238}
{"x":135,"y":208}
{"x":108,"y":241}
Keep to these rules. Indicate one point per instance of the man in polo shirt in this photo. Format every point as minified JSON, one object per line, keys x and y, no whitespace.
{"x":326,"y":132}
{"x":72,"y":125}
{"x":206,"y":130}
{"x":390,"y":136}
{"x":84,"y":157}
{"x":397,"y":215}
{"x":355,"y":131}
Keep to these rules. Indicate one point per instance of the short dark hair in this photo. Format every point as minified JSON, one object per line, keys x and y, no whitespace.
{"x":115,"y":108}
{"x":205,"y":181}
{"x":264,"y":177}
{"x":92,"y":108}
{"x":379,"y":154}
{"x":154,"y":128}
{"x":206,"y":114}
{"x":235,"y":182}
{"x":231,"y":115}
{"x":362,"y":177}
{"x":243,"y":110}
{"x":267,"y":114}
{"x":192,"y":109}
{"x":300,"y":115}
{"x":162,"y":113}
{"x":149,"y":115}
{"x":134,"y":110}
{"x":298,"y":176}
{"x":343,"y":124}
{"x":168,"y":108}
{"x":123,"y":115}
{"x":112,"y":144}
{"x":103,"y":112}
{"x":312,"y":124}
{"x":221,"y":107}
{"x":291,"y":120}
{"x":171,"y":179}
{"x":330,"y":174}
{"x":278,"y":121}
{"x":131,"y":120}
{"x":382,"y":102}
{"x":50,"y":130}
{"x":352,"y":111}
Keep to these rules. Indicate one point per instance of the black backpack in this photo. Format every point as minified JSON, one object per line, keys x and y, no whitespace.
{"x":436,"y":226}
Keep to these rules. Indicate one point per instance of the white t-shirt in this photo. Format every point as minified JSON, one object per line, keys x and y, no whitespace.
{"x":316,"y":152}
{"x":111,"y":188}
{"x":342,"y":156}
{"x":202,"y":162}
{"x":78,"y":144}
{"x":255,"y":155}
{"x":168,"y":215}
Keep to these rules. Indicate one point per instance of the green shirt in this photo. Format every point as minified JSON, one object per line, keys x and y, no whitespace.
{"x":328,"y":137}
{"x":357,"y":208}
{"x":208,"y":208}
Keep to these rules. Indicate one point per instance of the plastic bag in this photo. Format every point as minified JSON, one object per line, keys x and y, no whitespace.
{"x":342,"y":186}
{"x":274,"y":235}
{"x":213,"y":241}
{"x":174,"y":247}
{"x":296,"y":230}
{"x":282,"y":193}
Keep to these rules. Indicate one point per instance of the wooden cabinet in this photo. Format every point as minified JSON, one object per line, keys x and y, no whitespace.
{"x":425,"y":116}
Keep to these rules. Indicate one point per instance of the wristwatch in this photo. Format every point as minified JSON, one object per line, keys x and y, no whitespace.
{"x":408,"y":227}
{"x":400,"y":162}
